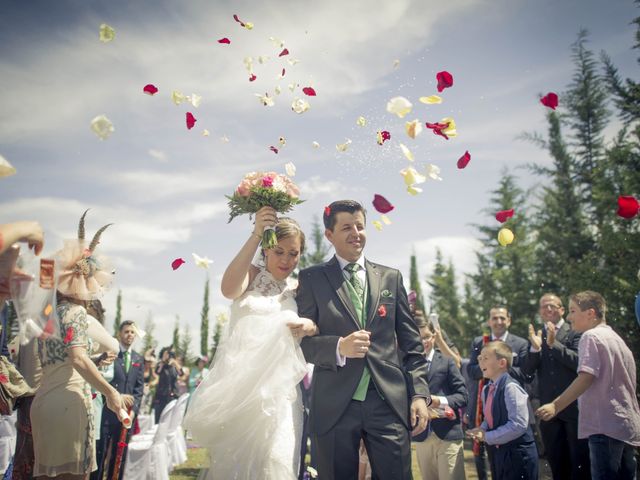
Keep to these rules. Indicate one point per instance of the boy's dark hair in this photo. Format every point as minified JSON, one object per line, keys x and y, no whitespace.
{"x":590,"y":299}
{"x":349,"y":206}
{"x":126,"y":323}
{"x":502,"y":350}
{"x":500,"y":306}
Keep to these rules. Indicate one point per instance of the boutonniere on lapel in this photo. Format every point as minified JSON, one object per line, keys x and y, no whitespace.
{"x":382,"y":311}
{"x":135,"y":364}
{"x":386,"y":294}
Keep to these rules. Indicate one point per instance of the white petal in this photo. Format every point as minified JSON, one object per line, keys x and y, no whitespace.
{"x":407,"y":153}
{"x":399,"y":106}
{"x":290,"y":168}
{"x":6,"y":168}
{"x":102,"y":127}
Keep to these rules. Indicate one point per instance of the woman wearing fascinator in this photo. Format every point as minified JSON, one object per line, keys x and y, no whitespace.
{"x":248,"y":410}
{"x":62,"y":416}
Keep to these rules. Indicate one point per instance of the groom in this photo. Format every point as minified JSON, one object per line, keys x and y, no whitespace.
{"x":360,"y":390}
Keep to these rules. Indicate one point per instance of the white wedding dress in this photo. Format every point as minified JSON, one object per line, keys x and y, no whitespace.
{"x":248,"y":410}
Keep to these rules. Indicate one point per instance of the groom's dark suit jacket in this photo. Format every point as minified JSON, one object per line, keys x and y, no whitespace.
{"x":323,"y":296}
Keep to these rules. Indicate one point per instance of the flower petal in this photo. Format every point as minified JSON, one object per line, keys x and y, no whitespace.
{"x":382,"y":136}
{"x":385,"y":219}
{"x":177,"y":97}
{"x":191,"y":120}
{"x":194,"y":99}
{"x":445,"y":80}
{"x":361,"y":121}
{"x":252,"y":77}
{"x":150,"y":89}
{"x":309,"y":91}
{"x":381,"y":204}
{"x":431,"y":99}
{"x":177,"y":263}
{"x":413,"y":128}
{"x":6,"y":169}
{"x":342,"y":147}
{"x":464,"y":160}
{"x":628,"y":206}
{"x":282,"y":141}
{"x":399,"y":106}
{"x":290,"y":169}
{"x":377,"y":224}
{"x":205,"y":133}
{"x":503,"y":215}
{"x":283,"y":53}
{"x":413,"y":190}
{"x":102,"y":127}
{"x":550,"y":100}
{"x":107,"y":33}
{"x":273,"y":149}
{"x":407,"y":153}
{"x":300,"y":105}
{"x":224,"y":40}
{"x":505,"y":237}
{"x":202,"y":262}
{"x":315,"y":144}
{"x":433,"y":172}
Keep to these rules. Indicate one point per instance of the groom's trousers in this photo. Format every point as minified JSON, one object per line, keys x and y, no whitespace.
{"x":386,"y":438}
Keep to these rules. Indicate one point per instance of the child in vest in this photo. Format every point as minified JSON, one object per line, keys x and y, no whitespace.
{"x":505,"y":429}
{"x":609,"y":415}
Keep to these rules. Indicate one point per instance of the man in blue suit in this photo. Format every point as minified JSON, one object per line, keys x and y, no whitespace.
{"x":439,"y":449}
{"x":128,"y":379}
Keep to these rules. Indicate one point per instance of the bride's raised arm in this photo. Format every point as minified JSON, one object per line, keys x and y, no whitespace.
{"x":239,"y":273}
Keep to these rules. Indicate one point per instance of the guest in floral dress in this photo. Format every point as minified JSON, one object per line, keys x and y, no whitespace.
{"x":62,"y":413}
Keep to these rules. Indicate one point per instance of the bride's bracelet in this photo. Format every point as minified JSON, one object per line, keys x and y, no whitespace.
{"x":256,"y":235}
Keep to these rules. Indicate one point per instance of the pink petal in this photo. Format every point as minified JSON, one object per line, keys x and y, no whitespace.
{"x":464,"y":160}
{"x":191,"y":120}
{"x":550,"y":100}
{"x":628,"y":206}
{"x":503,"y":215}
{"x":445,"y":80}
{"x":381,"y":204}
{"x":150,"y":89}
{"x":309,"y":91}
{"x":273,"y":149}
{"x":224,"y":40}
{"x":177,"y":263}
{"x":283,"y":72}
{"x":252,"y":77}
{"x":284,"y":52}
{"x":235,"y":17}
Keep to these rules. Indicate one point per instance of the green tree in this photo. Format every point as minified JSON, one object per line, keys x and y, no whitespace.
{"x":317,"y":241}
{"x":445,"y":301}
{"x":414,"y":282}
{"x":204,"y":320}
{"x":185,"y":345}
{"x":118,"y":319}
{"x":149,"y":327}
{"x":176,"y":335}
{"x":221,"y":319}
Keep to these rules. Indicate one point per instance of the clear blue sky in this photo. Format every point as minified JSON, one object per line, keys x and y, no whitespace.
{"x":163,"y":186}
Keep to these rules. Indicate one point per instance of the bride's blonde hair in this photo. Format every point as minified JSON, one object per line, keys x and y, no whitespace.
{"x":288,"y":227}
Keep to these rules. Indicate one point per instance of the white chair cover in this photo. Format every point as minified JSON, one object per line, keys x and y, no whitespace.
{"x":148,"y":458}
{"x":175,"y":438}
{"x":145,"y":422}
{"x":8,"y":433}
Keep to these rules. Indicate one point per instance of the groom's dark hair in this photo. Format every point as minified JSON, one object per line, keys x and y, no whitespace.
{"x":349,"y":206}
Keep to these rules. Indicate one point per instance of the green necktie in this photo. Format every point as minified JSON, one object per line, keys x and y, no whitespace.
{"x":355,"y":282}
{"x":127,"y":361}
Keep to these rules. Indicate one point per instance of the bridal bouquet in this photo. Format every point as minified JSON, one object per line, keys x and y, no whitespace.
{"x":262,"y":189}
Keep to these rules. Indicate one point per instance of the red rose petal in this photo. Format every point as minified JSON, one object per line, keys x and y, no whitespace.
{"x":224,"y":40}
{"x":252,"y":77}
{"x":121,"y":444}
{"x":383,"y":136}
{"x":177,"y":263}
{"x":309,"y":91}
{"x":503,"y":215}
{"x":69,"y":335}
{"x":437,"y":128}
{"x":381,"y":204}
{"x":628,"y":206}
{"x":283,"y":72}
{"x":327,"y":211}
{"x":235,"y":17}
{"x":150,"y":89}
{"x":273,"y":149}
{"x":464,"y":160}
{"x":445,"y":80}
{"x":550,"y":100}
{"x":382,"y":311}
{"x":191,"y":120}
{"x":284,"y":52}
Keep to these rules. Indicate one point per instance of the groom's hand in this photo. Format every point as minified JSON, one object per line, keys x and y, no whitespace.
{"x":419,"y":415}
{"x":355,"y":345}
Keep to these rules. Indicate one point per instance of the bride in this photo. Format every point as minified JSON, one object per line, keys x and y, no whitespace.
{"x":248,"y":410}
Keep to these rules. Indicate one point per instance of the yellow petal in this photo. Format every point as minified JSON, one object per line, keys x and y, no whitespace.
{"x":377,"y":224}
{"x":450,"y":131}
{"x":290,"y":168}
{"x":411,"y":176}
{"x":6,"y":168}
{"x":205,"y":133}
{"x":400,"y":106}
{"x":413,"y":190}
{"x":505,"y":237}
{"x":342,"y":147}
{"x":431,"y":99}
{"x":248,"y":25}
{"x":407,"y":153}
{"x":177,"y":97}
{"x":385,"y":220}
{"x":413,"y":128}
{"x":106,"y":33}
{"x":102,"y":127}
{"x":361,"y":121}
